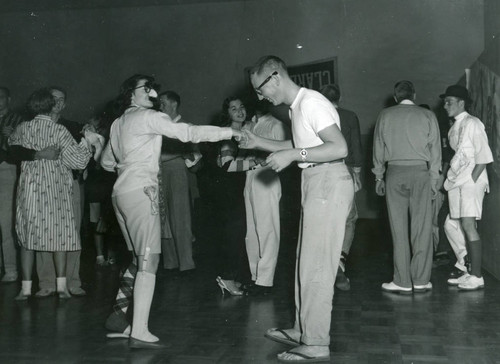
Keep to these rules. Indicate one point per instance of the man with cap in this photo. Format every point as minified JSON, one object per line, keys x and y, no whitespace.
{"x":466,"y":183}
{"x":407,"y":138}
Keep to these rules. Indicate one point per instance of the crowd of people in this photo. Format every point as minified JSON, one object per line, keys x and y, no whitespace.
{"x":137,"y":163}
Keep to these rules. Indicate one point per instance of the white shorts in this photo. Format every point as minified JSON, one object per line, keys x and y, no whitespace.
{"x":467,"y":200}
{"x":139,"y":221}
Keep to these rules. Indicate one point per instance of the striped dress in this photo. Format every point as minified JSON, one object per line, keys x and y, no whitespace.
{"x":44,"y":205}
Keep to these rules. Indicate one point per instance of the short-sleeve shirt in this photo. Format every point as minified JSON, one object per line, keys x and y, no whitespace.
{"x":310,"y":113}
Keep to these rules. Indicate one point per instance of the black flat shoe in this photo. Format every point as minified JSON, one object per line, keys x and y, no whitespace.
{"x":456,"y":273}
{"x":257,"y":290}
{"x":140,"y":344}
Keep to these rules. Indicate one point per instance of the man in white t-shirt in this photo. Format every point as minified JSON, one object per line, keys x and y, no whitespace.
{"x":327,"y":195}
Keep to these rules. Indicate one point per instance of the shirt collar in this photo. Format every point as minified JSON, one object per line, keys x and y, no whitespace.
{"x":460,"y":116}
{"x":297,"y":98}
{"x":176,"y":119}
{"x":407,"y":102}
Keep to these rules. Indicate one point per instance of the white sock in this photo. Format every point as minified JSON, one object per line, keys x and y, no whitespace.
{"x":61,"y":284}
{"x":26,"y":287}
{"x":143,"y":295}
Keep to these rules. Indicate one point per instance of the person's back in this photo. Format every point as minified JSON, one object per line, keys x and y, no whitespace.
{"x":136,"y":149}
{"x":406,"y":130}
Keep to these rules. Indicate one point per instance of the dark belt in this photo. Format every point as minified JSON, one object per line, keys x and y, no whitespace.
{"x":337,"y":161}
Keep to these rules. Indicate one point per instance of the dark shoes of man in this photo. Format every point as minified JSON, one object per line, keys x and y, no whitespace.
{"x":342,"y":282}
{"x":441,"y":258}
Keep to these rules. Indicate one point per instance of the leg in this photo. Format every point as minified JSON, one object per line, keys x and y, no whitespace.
{"x":95,"y":213}
{"x":179,"y":207}
{"x":341,"y":281}
{"x":326,"y":199}
{"x":7,"y":196}
{"x":421,"y":228}
{"x":46,"y":274}
{"x":251,"y":239}
{"x":117,"y":321}
{"x":456,"y":237}
{"x":143,"y":296}
{"x":73,"y":273}
{"x":397,"y":197}
{"x":265,"y":201}
{"x":60,"y":265}
{"x":73,"y":257}
{"x":27,"y":260}
{"x":144,"y":230}
{"x":474,"y":247}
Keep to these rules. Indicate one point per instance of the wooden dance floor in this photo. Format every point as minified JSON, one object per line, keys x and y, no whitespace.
{"x":201,"y":326}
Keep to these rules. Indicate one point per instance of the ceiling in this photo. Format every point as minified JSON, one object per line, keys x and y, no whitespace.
{"x":7,"y":6}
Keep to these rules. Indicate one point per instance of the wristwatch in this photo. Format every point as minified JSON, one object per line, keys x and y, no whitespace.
{"x":303,"y":155}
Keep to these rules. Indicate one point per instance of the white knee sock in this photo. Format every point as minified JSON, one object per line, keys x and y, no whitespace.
{"x":26,"y":287}
{"x":143,"y":296}
{"x":456,"y":237}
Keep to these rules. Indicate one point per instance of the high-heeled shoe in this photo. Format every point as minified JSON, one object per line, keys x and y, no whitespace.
{"x":233,"y":291}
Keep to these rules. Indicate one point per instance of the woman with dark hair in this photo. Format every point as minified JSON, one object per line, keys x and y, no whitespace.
{"x":133,"y":151}
{"x":44,"y":211}
{"x":233,"y":259}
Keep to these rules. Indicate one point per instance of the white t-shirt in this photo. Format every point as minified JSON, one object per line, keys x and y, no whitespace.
{"x":310,"y":113}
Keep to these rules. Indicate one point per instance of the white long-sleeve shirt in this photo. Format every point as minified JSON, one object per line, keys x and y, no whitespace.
{"x":134,"y":145}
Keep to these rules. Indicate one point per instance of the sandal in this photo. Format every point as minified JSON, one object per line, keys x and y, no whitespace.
{"x":280,"y":336}
{"x":303,"y":358}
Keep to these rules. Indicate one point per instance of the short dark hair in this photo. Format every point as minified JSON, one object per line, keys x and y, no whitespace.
{"x":331,"y":92}
{"x":172,"y":96}
{"x":127,"y":88}
{"x":404,"y":90}
{"x":41,"y":101}
{"x":5,"y":90}
{"x":60,"y":89}
{"x":272,"y":62}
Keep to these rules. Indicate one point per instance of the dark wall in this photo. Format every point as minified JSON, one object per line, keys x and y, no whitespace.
{"x":200,"y":49}
{"x":490,"y":103}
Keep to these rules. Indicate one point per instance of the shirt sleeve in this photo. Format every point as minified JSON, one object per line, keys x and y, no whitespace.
{"x":230,"y":162}
{"x":355,"y":142}
{"x":73,"y":155}
{"x":16,"y":137}
{"x":320,"y":115}
{"x":434,"y":147}
{"x":108,"y":161}
{"x":378,"y":150}
{"x":482,"y":151}
{"x":160,"y":123}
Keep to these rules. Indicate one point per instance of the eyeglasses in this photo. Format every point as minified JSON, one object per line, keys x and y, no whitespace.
{"x":266,"y":80}
{"x":147,"y":88}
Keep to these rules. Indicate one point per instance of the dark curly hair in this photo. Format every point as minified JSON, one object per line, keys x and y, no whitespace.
{"x":225,"y":120}
{"x":123,"y":100}
{"x":41,"y":102}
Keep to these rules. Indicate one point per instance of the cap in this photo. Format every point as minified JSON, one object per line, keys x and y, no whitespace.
{"x":456,"y":91}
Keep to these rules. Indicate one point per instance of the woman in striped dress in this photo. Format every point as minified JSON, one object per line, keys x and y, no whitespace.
{"x":44,"y":212}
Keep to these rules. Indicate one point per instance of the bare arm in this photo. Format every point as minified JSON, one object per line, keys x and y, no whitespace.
{"x":334,"y":147}
{"x":476,"y":172}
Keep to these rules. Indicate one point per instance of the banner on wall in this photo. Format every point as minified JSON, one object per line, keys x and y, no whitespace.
{"x":316,"y":74}
{"x":484,"y":88}
{"x":313,"y":75}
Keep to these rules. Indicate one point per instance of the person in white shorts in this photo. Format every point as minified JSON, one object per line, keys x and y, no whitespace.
{"x":466,"y":183}
{"x":133,"y":151}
